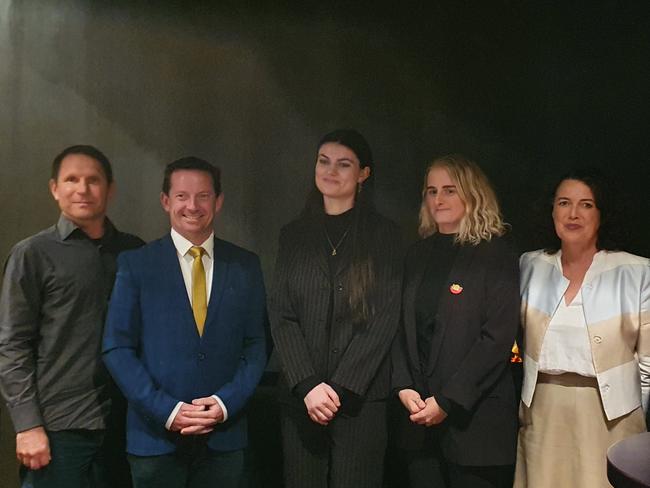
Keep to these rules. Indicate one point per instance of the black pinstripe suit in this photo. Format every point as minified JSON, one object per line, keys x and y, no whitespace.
{"x":350,"y":450}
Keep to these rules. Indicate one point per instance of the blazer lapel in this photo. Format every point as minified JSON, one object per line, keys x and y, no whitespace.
{"x":178,"y":289}
{"x":344,"y":262}
{"x":314,"y":236}
{"x":408,"y":306}
{"x":556,"y":284}
{"x":448,"y":305}
{"x":220,"y":268}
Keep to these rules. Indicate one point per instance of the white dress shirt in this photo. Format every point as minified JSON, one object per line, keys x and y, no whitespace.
{"x":185,"y":260}
{"x":566,"y":347}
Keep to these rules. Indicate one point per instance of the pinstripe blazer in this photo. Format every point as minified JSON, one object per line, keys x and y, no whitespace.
{"x":353,"y":356}
{"x":616,"y":305}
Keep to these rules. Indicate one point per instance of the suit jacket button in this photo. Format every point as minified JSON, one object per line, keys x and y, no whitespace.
{"x":335,"y":351}
{"x":339,"y":287}
{"x":201,"y":356}
{"x":598,"y":339}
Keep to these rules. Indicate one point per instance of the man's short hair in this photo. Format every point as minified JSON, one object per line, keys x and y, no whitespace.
{"x":192,"y":163}
{"x":91,"y":152}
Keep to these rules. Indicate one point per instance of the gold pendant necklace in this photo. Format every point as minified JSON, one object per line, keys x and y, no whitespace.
{"x":338,"y":244}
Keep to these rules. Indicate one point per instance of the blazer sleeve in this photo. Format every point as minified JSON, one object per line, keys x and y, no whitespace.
{"x":643,"y":344}
{"x":488,"y":356}
{"x":371,"y":344}
{"x":121,"y":343}
{"x":286,"y":331}
{"x":252,"y":360}
{"x":401,"y":377}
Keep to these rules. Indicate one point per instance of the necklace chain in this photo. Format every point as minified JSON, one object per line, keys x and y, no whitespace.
{"x":338,"y":244}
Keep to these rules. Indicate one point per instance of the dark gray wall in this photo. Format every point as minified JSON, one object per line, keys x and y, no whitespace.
{"x":523,"y":88}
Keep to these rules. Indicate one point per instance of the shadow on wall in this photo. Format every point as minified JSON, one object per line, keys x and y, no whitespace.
{"x":519,"y":87}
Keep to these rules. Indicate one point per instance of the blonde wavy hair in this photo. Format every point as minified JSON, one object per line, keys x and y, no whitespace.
{"x":482,"y":218}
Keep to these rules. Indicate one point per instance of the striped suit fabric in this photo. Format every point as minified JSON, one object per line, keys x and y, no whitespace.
{"x":353,"y":356}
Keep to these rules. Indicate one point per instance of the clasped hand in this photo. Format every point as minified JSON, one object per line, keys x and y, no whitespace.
{"x":197,"y":418}
{"x":322,"y":403}
{"x":423,"y":412}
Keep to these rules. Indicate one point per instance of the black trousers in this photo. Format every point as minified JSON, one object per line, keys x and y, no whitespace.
{"x":348,"y":453}
{"x":429,"y":469}
{"x":78,"y":461}
{"x":192,"y":468}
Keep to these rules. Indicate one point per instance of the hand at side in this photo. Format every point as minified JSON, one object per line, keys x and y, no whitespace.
{"x":33,"y":448}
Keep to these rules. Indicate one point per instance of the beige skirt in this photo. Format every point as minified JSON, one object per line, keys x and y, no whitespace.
{"x":564,"y":435}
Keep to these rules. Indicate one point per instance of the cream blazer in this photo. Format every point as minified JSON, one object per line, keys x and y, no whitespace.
{"x":616,"y":305}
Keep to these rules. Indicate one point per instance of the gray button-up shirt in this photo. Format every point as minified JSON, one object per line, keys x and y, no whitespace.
{"x":52,"y":309}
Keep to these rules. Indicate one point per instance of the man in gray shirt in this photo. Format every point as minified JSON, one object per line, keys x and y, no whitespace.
{"x":52,"y":309}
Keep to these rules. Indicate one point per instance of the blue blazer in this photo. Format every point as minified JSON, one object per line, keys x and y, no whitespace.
{"x":156,"y":356}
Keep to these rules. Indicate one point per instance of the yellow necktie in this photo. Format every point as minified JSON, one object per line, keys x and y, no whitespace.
{"x":199,"y":291}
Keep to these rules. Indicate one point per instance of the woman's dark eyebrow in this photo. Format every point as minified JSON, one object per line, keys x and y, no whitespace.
{"x":580,"y":200}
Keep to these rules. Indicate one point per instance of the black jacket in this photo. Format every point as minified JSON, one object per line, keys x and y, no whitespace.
{"x":468,"y":365}
{"x":355,"y":357}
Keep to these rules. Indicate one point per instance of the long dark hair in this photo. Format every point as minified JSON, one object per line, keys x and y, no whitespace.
{"x":361,"y":268}
{"x":613,"y":234}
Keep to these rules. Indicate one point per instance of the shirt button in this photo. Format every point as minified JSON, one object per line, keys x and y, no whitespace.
{"x":605,"y":388}
{"x":201,"y":356}
{"x":598,"y":339}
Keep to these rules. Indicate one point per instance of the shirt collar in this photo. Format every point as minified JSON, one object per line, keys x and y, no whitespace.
{"x":66,"y":227}
{"x":182,"y":245}
{"x":597,"y":265}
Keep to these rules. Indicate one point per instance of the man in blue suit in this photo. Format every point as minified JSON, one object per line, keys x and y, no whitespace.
{"x":185,"y":340}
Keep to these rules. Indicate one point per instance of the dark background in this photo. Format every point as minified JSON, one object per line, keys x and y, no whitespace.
{"x":527,"y":89}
